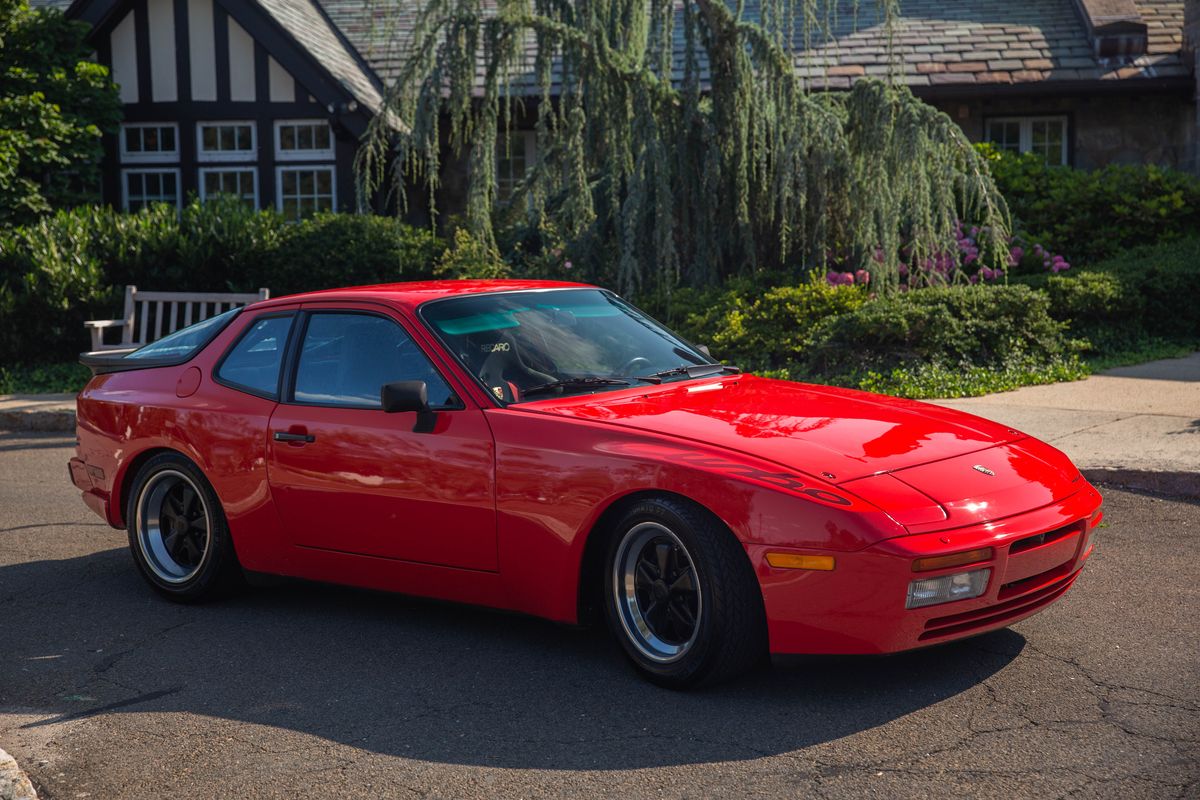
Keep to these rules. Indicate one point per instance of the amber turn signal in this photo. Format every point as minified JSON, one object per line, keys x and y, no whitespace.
{"x":796,"y":561}
{"x":952,"y":560}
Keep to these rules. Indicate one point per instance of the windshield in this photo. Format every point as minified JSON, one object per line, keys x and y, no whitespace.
{"x":529,"y":345}
{"x":184,"y":342}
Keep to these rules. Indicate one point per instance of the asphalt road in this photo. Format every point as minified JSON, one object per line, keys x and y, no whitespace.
{"x":107,"y":691}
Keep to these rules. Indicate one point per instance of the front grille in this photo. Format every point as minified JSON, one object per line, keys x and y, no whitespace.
{"x":1030,"y":542}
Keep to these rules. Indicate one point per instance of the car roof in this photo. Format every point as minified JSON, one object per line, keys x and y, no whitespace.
{"x":414,"y":293}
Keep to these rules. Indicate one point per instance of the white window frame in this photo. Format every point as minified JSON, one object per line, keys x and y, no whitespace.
{"x":1026,"y":140}
{"x":303,"y":155}
{"x":529,"y":139}
{"x":159,"y":157}
{"x":253,"y":170}
{"x":331,"y":167}
{"x":125,"y":173}
{"x":226,"y":155}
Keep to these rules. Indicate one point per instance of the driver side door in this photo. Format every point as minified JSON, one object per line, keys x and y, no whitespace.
{"x":350,"y":478}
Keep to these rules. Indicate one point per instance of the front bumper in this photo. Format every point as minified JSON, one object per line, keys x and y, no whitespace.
{"x":858,"y":607}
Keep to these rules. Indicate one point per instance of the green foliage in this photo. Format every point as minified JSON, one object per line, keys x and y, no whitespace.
{"x":1141,"y":300}
{"x":764,"y":329}
{"x":662,"y":173}
{"x":1092,"y":215}
{"x":469,"y":257}
{"x":332,"y":250}
{"x":73,"y":265}
{"x":54,"y":106}
{"x":939,"y":331}
{"x":69,"y":376}
{"x":925,"y":381}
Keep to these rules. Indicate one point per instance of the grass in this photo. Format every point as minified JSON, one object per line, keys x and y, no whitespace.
{"x":69,"y":376}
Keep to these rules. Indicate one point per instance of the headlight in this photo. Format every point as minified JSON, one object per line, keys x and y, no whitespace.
{"x":947,"y":588}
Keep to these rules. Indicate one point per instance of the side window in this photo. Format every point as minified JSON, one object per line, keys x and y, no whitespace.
{"x":253,"y":363}
{"x":347,"y":358}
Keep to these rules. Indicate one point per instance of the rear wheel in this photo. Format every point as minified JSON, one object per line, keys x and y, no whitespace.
{"x":177,"y":531}
{"x":681,"y":597}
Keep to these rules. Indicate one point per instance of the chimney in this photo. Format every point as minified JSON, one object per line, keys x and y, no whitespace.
{"x":1115,"y":27}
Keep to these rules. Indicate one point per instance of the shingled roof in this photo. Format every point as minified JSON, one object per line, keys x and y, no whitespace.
{"x":934,"y":43}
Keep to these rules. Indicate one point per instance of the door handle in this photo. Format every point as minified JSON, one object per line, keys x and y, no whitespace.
{"x":283,"y":436}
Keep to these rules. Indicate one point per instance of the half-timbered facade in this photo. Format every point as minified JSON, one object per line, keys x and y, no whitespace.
{"x":261,"y":100}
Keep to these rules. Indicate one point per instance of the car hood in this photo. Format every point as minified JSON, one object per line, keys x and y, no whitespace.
{"x":818,"y":430}
{"x":930,"y":468}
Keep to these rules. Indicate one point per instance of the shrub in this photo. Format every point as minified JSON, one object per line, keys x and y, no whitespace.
{"x":331,"y":250}
{"x":468,"y":257}
{"x":1128,"y":302}
{"x":942,"y":328}
{"x":74,"y":265}
{"x":1093,"y":215}
{"x":764,"y":329}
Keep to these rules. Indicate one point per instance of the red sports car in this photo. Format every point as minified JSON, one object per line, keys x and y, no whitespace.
{"x":549,"y":449}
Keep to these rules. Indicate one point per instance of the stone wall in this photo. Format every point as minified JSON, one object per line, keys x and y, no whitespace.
{"x":1125,"y":128}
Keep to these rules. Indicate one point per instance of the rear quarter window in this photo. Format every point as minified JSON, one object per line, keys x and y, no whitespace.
{"x":254,"y":362}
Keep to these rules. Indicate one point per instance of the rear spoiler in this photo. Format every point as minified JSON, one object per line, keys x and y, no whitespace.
{"x":102,"y":362}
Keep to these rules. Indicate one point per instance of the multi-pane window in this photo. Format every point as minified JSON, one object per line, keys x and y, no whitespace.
{"x":144,"y":187}
{"x":152,"y":142}
{"x":303,"y":191}
{"x":1044,"y":136}
{"x":240,"y":182}
{"x":514,"y":156}
{"x":303,"y":140}
{"x":226,"y":141}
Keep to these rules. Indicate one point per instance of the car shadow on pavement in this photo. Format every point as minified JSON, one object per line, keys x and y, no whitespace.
{"x":442,"y":683}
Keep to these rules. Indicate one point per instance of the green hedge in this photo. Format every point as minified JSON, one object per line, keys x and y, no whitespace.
{"x":1091,"y":215}
{"x":761,"y":329}
{"x":73,"y":266}
{"x":943,"y":331}
{"x":1143,"y":296}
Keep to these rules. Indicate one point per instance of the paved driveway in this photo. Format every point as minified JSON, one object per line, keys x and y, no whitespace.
{"x":107,"y":691}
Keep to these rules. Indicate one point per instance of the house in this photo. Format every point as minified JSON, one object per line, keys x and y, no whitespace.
{"x":267,"y":99}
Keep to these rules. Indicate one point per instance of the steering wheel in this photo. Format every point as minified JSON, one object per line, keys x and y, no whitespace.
{"x":637,"y":363}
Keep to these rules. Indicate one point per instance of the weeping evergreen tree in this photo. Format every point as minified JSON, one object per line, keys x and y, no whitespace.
{"x":662,"y":163}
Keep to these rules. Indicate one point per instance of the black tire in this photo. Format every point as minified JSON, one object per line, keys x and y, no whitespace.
{"x":729,"y":634}
{"x":178,"y":534}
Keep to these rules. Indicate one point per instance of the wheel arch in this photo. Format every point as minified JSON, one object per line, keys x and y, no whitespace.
{"x":123,"y":483}
{"x":589,"y":589}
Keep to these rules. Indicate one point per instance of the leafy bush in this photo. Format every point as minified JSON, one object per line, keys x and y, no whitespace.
{"x":1141,"y":299}
{"x":764,"y":329}
{"x":1093,"y":215}
{"x":331,"y":250}
{"x":470,"y":258}
{"x":74,"y":265}
{"x":953,"y":328}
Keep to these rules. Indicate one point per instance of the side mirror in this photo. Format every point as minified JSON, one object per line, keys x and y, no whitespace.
{"x":404,"y":396}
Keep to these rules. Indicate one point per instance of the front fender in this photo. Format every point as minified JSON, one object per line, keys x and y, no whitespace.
{"x":557,"y":476}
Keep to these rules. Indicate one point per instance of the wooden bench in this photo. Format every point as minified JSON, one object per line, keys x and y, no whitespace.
{"x":151,"y":315}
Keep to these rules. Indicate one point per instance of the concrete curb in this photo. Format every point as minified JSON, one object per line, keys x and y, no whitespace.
{"x":40,"y":421}
{"x":13,"y":783}
{"x":1184,"y":485}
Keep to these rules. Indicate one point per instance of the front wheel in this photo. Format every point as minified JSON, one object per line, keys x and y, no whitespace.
{"x":177,"y":531}
{"x":681,"y":596}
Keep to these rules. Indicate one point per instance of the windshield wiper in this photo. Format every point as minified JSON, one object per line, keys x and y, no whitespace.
{"x":692,"y":371}
{"x":573,"y":383}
